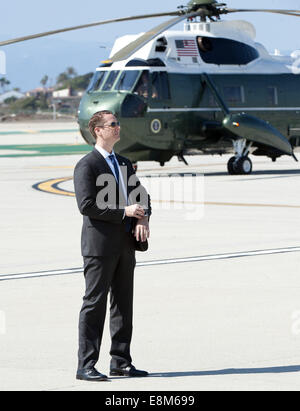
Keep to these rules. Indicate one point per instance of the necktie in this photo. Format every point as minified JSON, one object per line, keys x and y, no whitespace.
{"x":114,"y":162}
{"x":128,"y":225}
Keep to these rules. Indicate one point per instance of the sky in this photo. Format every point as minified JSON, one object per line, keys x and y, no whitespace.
{"x":27,"y":63}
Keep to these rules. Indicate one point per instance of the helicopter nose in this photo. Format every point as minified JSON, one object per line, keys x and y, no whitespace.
{"x":93,"y":103}
{"x":109,"y":101}
{"x":100,"y":106}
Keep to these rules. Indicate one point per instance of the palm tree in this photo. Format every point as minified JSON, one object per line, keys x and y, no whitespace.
{"x":44,"y":81}
{"x":4,"y":82}
{"x":71,"y":72}
{"x":62,"y":78}
{"x":7,"y":82}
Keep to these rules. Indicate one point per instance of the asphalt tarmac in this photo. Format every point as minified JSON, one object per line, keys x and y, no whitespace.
{"x":216,"y":302}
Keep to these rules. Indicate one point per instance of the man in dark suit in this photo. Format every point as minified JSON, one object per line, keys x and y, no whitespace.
{"x":103,"y":185}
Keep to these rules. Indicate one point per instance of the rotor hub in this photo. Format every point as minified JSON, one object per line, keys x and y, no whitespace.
{"x":207,"y":8}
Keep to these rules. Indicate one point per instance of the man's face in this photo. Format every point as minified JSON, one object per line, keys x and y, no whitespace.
{"x":108,"y":132}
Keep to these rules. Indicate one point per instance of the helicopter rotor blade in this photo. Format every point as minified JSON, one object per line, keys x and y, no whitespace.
{"x":141,"y":41}
{"x":295,"y":13}
{"x":49,"y":33}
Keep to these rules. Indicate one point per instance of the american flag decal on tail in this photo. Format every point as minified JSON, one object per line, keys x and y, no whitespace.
{"x":186,"y":48}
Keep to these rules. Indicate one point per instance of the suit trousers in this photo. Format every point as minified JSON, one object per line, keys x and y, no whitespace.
{"x":103,"y":275}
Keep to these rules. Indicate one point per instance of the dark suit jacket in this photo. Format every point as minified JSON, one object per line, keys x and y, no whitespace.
{"x":104,"y":229}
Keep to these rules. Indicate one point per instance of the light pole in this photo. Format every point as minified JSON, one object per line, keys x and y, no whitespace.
{"x":54,"y":110}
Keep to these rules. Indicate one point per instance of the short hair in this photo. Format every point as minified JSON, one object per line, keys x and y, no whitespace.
{"x":97,"y":120}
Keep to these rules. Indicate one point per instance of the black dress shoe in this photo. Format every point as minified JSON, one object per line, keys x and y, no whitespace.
{"x":129,"y":371}
{"x":90,"y":374}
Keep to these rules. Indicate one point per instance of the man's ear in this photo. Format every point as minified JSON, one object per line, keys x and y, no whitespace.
{"x":97,"y":130}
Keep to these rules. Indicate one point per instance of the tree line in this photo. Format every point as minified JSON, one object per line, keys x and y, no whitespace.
{"x":68,"y":79}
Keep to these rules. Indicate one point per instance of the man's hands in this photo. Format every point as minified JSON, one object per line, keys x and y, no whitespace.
{"x":135,"y":211}
{"x":142,"y":231}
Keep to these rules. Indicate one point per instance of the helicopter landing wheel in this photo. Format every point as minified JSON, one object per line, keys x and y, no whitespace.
{"x":239,"y":166}
{"x":244,"y":166}
{"x":231,"y":166}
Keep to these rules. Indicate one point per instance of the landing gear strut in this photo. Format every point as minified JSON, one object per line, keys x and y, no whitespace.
{"x":241,"y":163}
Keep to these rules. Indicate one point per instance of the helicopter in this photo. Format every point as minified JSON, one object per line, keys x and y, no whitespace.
{"x":209,"y":89}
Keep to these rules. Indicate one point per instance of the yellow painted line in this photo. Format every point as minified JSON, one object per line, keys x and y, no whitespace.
{"x":252,"y":205}
{"x":215,"y":203}
{"x":50,"y":186}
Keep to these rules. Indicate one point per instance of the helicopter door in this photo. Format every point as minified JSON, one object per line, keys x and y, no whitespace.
{"x":160,"y":89}
{"x":159,"y":101}
{"x":159,"y":115}
{"x":135,"y":104}
{"x":142,"y":87}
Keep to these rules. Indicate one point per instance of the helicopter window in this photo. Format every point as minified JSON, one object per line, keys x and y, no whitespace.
{"x":234,"y":94}
{"x":133,"y":106}
{"x":272,"y":96}
{"x":161,"y":45}
{"x":96,"y":81}
{"x":142,"y":88}
{"x":127,"y":80}
{"x":160,"y":86}
{"x":225,"y":51}
{"x":110,"y":80}
{"x":100,"y":80}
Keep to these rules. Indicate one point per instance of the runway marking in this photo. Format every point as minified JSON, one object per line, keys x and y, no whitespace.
{"x":52,"y":187}
{"x":24,"y":132}
{"x":214,"y":203}
{"x":214,"y":257}
{"x":41,"y":150}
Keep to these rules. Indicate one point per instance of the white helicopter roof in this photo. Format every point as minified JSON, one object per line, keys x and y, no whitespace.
{"x":238,"y":30}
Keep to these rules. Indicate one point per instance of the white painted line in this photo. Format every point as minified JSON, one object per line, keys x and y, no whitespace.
{"x":213,"y":257}
{"x":22,"y":276}
{"x":221,"y":256}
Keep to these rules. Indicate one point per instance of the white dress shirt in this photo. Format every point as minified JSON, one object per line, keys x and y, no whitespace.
{"x":106,"y":155}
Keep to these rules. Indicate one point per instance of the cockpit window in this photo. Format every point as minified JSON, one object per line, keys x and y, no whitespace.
{"x":225,"y":51}
{"x":110,"y":80}
{"x":156,"y":86}
{"x":127,"y":80}
{"x":96,"y":81}
{"x":142,"y":87}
